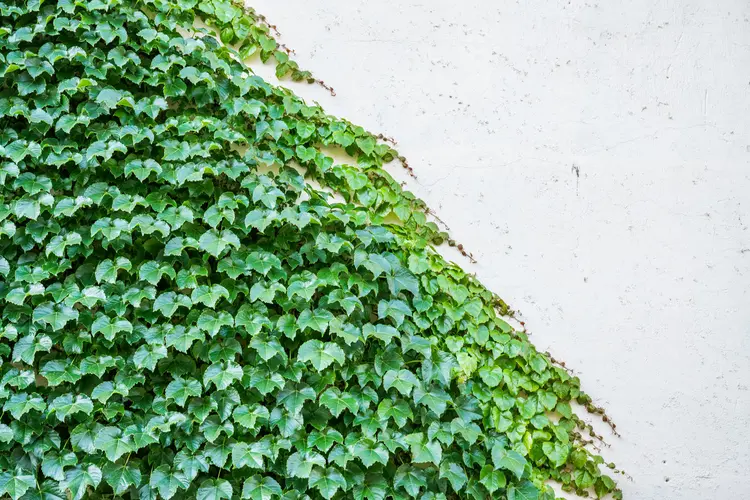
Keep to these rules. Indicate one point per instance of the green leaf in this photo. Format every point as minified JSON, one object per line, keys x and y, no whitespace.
{"x":402,"y":279}
{"x":294,"y":398}
{"x":317,"y":320}
{"x":398,"y":310}
{"x":401,"y":380}
{"x":16,"y":484}
{"x":169,"y":302}
{"x":222,"y":375}
{"x":301,"y":464}
{"x":26,"y":348}
{"x":214,"y":489}
{"x":111,"y":441}
{"x":492,"y":479}
{"x":423,"y":450}
{"x":508,"y":459}
{"x":6,"y":434}
{"x":121,"y":477}
{"x":410,"y":479}
{"x":250,"y":455}
{"x":107,"y":270}
{"x":454,"y":473}
{"x":400,"y":411}
{"x":327,"y":481}
{"x":370,"y":452}
{"x":209,"y":295}
{"x":321,"y":355}
{"x":180,"y":389}
{"x":261,"y":488}
{"x":182,"y":338}
{"x":54,"y":464}
{"x":68,"y":404}
{"x":146,"y":356}
{"x":167,"y":481}
{"x":54,"y":315}
{"x":435,"y":399}
{"x":78,"y":480}
{"x":337,"y":401}
{"x":556,"y":452}
{"x":215,"y":242}
{"x":109,"y":98}
{"x":524,"y":491}
{"x":386,"y":333}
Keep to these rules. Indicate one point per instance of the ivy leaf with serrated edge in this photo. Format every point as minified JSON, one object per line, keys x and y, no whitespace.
{"x":370,"y":452}
{"x":556,"y":452}
{"x":317,"y":320}
{"x":16,"y":483}
{"x":27,"y":346}
{"x":214,"y":489}
{"x":180,"y":389}
{"x":54,"y":464}
{"x":401,"y":380}
{"x":69,"y":404}
{"x":261,"y":488}
{"x":508,"y":459}
{"x":167,"y":481}
{"x":79,"y":479}
{"x":524,"y":491}
{"x":327,"y":481}
{"x":492,"y":479}
{"x":321,"y":355}
{"x":222,"y":375}
{"x":454,"y":473}
{"x":121,"y":476}
{"x":111,"y":441}
{"x":424,"y":450}
{"x":54,"y":315}
{"x":215,"y":242}
{"x":337,"y":401}
{"x":410,"y":479}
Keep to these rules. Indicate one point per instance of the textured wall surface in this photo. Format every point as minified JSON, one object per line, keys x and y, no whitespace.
{"x":595,"y":158}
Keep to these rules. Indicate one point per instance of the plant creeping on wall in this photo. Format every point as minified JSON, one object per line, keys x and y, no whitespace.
{"x":198,"y":302}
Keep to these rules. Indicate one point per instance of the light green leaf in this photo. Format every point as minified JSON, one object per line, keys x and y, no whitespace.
{"x":508,"y":459}
{"x":321,"y":355}
{"x":54,"y":464}
{"x":317,"y":320}
{"x":68,"y":404}
{"x":327,"y":481}
{"x":401,"y":380}
{"x":180,"y":389}
{"x":78,"y":480}
{"x":524,"y":491}
{"x":111,"y":441}
{"x":214,"y":489}
{"x":338,"y":401}
{"x":261,"y":488}
{"x":167,"y":481}
{"x":54,"y":315}
{"x":492,"y":479}
{"x":222,"y":375}
{"x":121,"y":477}
{"x":556,"y":452}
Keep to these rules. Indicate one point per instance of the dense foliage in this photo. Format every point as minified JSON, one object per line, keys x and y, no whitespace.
{"x":186,"y":315}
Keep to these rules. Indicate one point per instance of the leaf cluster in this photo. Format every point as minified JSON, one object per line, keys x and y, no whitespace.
{"x":197,"y":302}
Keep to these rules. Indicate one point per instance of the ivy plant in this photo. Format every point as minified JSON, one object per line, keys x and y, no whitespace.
{"x":198,"y":302}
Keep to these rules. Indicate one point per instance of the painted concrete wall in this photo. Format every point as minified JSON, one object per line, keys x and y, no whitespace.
{"x":594,"y":157}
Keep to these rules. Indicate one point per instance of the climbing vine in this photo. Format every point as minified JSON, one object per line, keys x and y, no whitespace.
{"x":198,"y":302}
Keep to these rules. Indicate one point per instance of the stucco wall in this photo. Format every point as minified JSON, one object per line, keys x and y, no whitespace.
{"x":594,"y":158}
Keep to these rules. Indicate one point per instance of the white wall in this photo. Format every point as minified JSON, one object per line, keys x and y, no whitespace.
{"x":594,"y":158}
